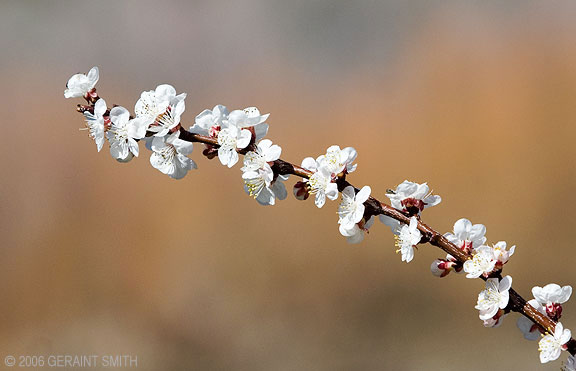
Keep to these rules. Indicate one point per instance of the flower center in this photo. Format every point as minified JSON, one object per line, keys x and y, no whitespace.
{"x":255,"y":186}
{"x":317,"y":183}
{"x":167,"y":153}
{"x":226,"y":139}
{"x":166,"y":119}
{"x":333,"y":158}
{"x":490,"y":296}
{"x":255,"y":160}
{"x":120,"y":132}
{"x":549,"y":344}
{"x":348,"y":206}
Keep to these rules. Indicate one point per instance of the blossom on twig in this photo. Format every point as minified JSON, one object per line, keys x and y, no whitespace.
{"x":123,"y":133}
{"x":551,"y":345}
{"x":466,"y":235}
{"x":552,"y":296}
{"x":160,"y":110}
{"x":408,"y":237}
{"x":355,"y":233}
{"x":80,"y":84}
{"x":169,"y":155}
{"x":227,"y":134}
{"x":95,"y":122}
{"x":494,"y":297}
{"x":259,"y":178}
{"x":351,"y":209}
{"x":412,"y":197}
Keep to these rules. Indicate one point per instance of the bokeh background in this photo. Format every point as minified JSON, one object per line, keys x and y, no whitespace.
{"x":97,"y":257}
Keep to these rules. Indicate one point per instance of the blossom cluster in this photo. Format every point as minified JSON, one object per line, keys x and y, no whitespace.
{"x":487,"y":262}
{"x":157,"y":122}
{"x":227,"y":134}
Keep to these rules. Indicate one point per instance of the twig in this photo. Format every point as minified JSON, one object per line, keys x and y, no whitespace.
{"x":373,"y":208}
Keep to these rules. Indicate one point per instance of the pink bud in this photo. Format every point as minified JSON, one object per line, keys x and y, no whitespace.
{"x":441,"y":267}
{"x":554,"y":311}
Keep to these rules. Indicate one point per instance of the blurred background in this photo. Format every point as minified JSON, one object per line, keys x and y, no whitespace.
{"x":97,"y":257}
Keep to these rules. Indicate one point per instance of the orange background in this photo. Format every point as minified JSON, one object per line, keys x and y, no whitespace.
{"x":97,"y":257}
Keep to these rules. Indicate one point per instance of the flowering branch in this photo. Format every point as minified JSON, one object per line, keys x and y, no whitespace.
{"x":229,"y":134}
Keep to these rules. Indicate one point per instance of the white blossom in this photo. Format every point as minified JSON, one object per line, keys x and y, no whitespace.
{"x":410,"y":194}
{"x":160,"y":109}
{"x":320,"y":183}
{"x":264,"y":190}
{"x":466,"y":235}
{"x":351,"y":209}
{"x":209,"y":123}
{"x":123,"y":133}
{"x":95,"y":123}
{"x":355,"y":233}
{"x":169,"y":155}
{"x":529,"y":329}
{"x":551,"y":345}
{"x":336,"y":160}
{"x":258,"y":176}
{"x":80,"y":84}
{"x":495,"y":321}
{"x":501,"y":255}
{"x":248,"y":118}
{"x":407,"y":239}
{"x":231,"y":139}
{"x":482,"y":263}
{"x":265,"y":152}
{"x":552,"y":294}
{"x":494,"y":297}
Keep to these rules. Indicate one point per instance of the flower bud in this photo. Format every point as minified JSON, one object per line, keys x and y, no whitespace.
{"x":554,"y":311}
{"x":301,"y":191}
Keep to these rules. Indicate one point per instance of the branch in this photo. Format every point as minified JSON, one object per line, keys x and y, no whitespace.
{"x":373,"y":207}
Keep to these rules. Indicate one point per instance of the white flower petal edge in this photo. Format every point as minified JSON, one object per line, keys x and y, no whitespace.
{"x":495,"y":321}
{"x":355,"y":233}
{"x":248,"y":118}
{"x":123,"y":133}
{"x":552,"y":293}
{"x":501,"y":254}
{"x":337,"y":161}
{"x":551,"y":345}
{"x":80,"y":84}
{"x":320,"y":183}
{"x":209,"y":122}
{"x":494,"y":297}
{"x":95,"y":123}
{"x":231,"y":139}
{"x":259,"y":180}
{"x":466,"y":235}
{"x":408,"y":237}
{"x":245,"y":118}
{"x":160,"y":109}
{"x":169,"y":156}
{"x":482,"y":263}
{"x":412,"y":194}
{"x":351,"y":209}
